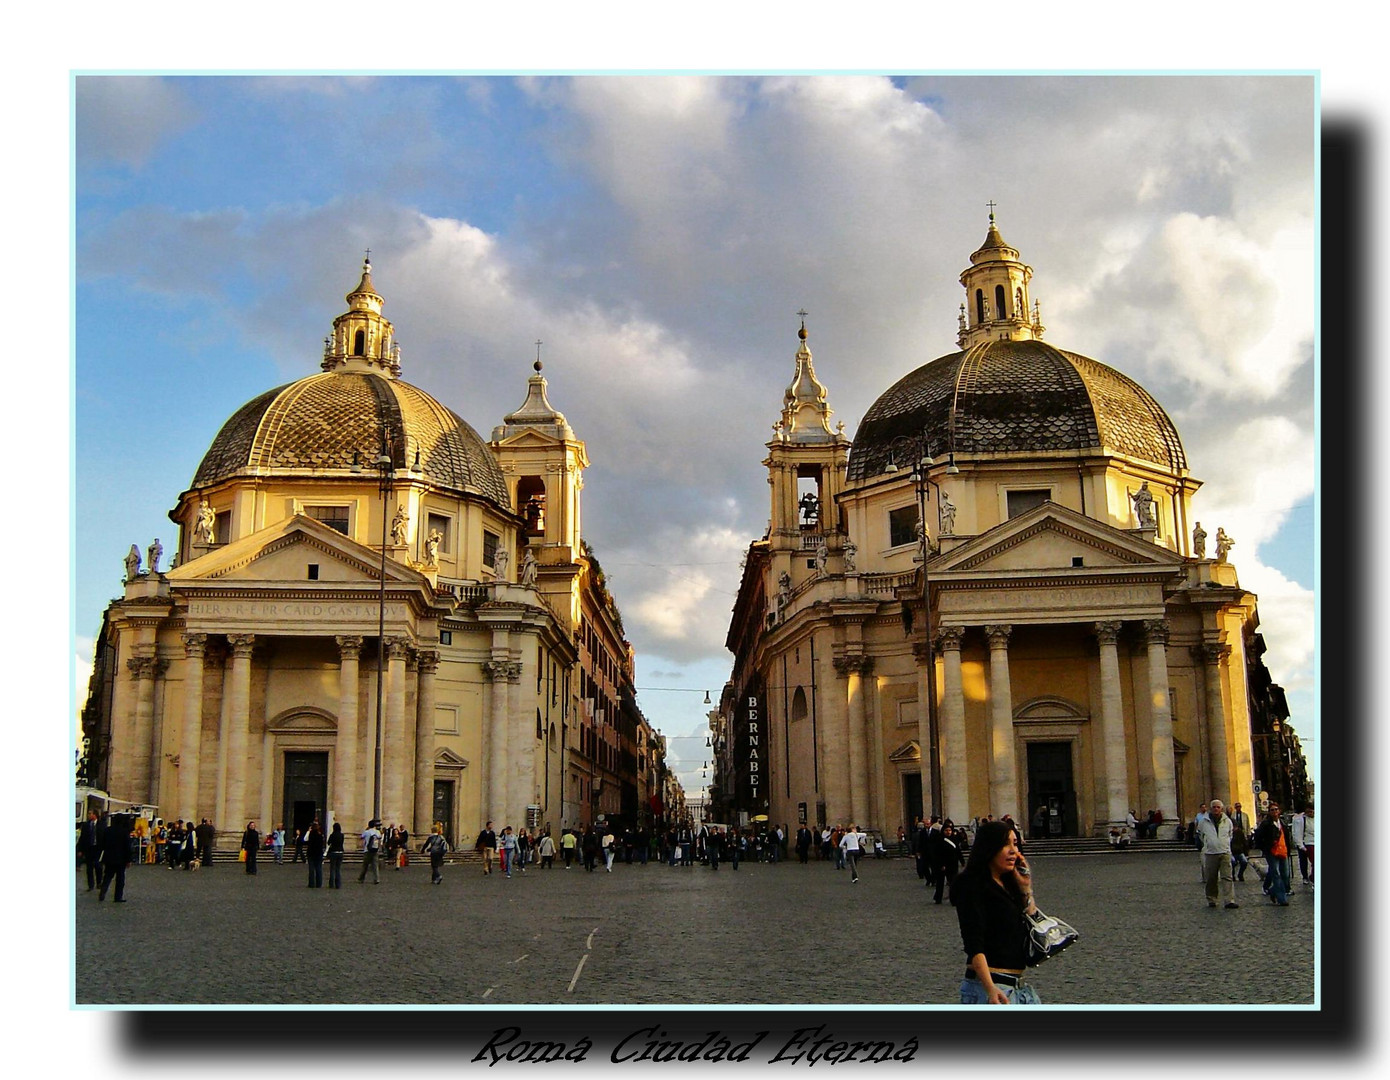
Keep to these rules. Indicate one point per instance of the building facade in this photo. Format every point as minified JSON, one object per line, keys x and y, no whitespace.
{"x":996,"y":600}
{"x":343,"y":525}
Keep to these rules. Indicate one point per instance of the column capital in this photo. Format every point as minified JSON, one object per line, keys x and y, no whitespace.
{"x":428,"y":660}
{"x":857,"y":664}
{"x":195,"y":645}
{"x":1108,"y":631}
{"x":396,"y":647}
{"x":922,"y":650}
{"x":948,"y":638}
{"x":141,"y":667}
{"x":502,"y":670}
{"x":241,"y":644}
{"x":1156,"y":631}
{"x":349,"y":646}
{"x":1210,"y":654}
{"x":998,"y":634}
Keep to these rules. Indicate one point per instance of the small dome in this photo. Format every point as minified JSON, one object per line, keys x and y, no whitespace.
{"x":316,"y":424}
{"x":1017,"y":397}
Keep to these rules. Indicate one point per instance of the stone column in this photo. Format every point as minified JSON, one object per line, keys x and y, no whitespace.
{"x":834,"y":731}
{"x":395,"y":769}
{"x":238,"y":729}
{"x":852,"y":669}
{"x":191,"y":737}
{"x":219,"y":817}
{"x":955,"y":777}
{"x":496,"y":748}
{"x":1112,"y":724}
{"x":922,"y":653}
{"x":427,"y":664}
{"x":1003,"y":788}
{"x":1165,"y":785}
{"x":345,"y":785}
{"x":142,"y":670}
{"x":1211,"y":656}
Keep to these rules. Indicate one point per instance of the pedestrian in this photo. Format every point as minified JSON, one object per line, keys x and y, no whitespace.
{"x":547,"y":850}
{"x":1271,"y":838}
{"x":114,"y":842}
{"x":299,"y":831}
{"x":851,"y":847}
{"x":250,"y":843}
{"x":947,"y":856}
{"x":991,"y":895}
{"x":277,"y":843}
{"x":1214,"y":833}
{"x":506,"y":849}
{"x":435,"y":847}
{"x":588,"y":847}
{"x":606,"y":846}
{"x":487,"y":844}
{"x":371,"y":852}
{"x":205,"y":834}
{"x":1240,"y":841}
{"x":334,"y":849}
{"x":1303,"y":833}
{"x":313,"y":854}
{"x":89,"y":847}
{"x":568,"y":841}
{"x":736,"y":846}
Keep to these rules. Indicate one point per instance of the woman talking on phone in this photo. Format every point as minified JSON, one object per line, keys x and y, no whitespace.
{"x":992,"y":895}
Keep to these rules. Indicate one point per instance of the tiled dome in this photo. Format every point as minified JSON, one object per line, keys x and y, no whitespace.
{"x":315,"y":426}
{"x":1017,"y":397}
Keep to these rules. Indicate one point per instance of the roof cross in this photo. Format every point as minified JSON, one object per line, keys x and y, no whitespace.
{"x":991,"y":204}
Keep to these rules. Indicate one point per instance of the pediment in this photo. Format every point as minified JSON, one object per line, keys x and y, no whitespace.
{"x":284,"y":551}
{"x":908,"y":751}
{"x":532,"y":437}
{"x":447,"y":759}
{"x":1052,"y":537}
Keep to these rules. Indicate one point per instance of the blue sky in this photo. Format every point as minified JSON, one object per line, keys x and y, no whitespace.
{"x":658,"y":234}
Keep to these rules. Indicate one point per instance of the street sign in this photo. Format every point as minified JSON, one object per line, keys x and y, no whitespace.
{"x":1258,"y":787}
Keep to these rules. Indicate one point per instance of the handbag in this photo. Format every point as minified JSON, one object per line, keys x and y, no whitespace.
{"x":1047,"y":937}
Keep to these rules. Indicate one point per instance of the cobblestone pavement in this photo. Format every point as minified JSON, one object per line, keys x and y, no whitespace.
{"x":782,"y":934}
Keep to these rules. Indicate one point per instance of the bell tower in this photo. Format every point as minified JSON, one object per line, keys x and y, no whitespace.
{"x":806,"y":470}
{"x":996,"y":295}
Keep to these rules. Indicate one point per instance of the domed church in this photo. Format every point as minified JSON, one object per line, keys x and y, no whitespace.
{"x":349,"y":523}
{"x":995,"y":600}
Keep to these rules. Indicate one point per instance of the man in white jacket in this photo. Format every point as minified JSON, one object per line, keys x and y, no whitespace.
{"x":852,"y":844}
{"x":1214,"y":836}
{"x":1303,"y":833}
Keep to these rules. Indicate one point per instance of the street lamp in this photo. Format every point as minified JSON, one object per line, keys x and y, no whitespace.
{"x":922,"y":464}
{"x":386,"y":476}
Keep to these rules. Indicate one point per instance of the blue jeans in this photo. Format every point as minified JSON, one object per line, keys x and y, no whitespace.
{"x":972,"y":992}
{"x":1277,"y":880}
{"x":316,"y":872}
{"x":335,"y":870}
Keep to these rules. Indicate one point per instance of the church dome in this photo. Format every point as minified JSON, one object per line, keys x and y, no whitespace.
{"x":1017,"y":397}
{"x":317,"y":424}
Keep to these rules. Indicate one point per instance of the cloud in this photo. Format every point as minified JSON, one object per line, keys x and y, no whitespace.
{"x":123,"y":119}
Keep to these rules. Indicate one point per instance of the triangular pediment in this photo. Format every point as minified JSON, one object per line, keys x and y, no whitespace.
{"x":908,"y":751}
{"x":283,"y":552}
{"x":447,"y":759}
{"x":1052,"y":537}
{"x":545,"y":437}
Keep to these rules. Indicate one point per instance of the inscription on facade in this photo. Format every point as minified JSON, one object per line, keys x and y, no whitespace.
{"x":315,"y":610}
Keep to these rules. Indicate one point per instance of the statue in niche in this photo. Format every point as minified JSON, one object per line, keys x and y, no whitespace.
{"x":1144,"y":507}
{"x":851,"y":550}
{"x":1223,"y":544}
{"x":399,"y":524}
{"x":203,"y":527}
{"x":432,"y":543}
{"x":1020,"y":312}
{"x":822,"y":557}
{"x":810,"y":509}
{"x":499,"y":564}
{"x":989,"y":310}
{"x":784,"y":592}
{"x":529,"y":569}
{"x":132,"y":563}
{"x":947,"y":514}
{"x":1199,"y":541}
{"x":153,"y":552}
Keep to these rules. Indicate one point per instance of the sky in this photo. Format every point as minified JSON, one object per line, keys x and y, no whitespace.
{"x":658,"y":234}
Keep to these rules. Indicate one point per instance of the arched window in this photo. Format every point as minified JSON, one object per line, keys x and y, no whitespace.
{"x":1001,"y":311}
{"x":359,"y":343}
{"x":979,"y":305}
{"x":798,"y":705}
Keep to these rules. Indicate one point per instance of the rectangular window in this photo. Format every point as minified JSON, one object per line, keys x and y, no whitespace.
{"x":446,"y":719}
{"x":1020,"y":502}
{"x":490,"y":542}
{"x":313,"y":571}
{"x":335,"y":517}
{"x":907,"y":713}
{"x":902,"y":526}
{"x":446,"y":637}
{"x":222,"y":528}
{"x":441,"y":524}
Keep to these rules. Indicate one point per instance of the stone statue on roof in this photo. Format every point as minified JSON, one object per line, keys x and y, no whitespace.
{"x":1144,"y":507}
{"x":132,"y":563}
{"x":203,"y":527}
{"x":154,"y":551}
{"x":399,"y":524}
{"x":1199,"y":541}
{"x":1223,"y":544}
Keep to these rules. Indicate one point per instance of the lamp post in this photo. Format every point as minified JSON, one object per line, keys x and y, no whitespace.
{"x":386,"y":475}
{"x":922,"y":464}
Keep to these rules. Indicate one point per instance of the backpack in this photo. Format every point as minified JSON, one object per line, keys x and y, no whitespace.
{"x":373,"y":842}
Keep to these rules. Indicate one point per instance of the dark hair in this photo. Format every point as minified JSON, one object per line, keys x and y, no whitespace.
{"x":990,"y":839}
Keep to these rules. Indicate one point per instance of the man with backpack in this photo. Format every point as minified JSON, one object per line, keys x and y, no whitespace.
{"x":371,"y":851}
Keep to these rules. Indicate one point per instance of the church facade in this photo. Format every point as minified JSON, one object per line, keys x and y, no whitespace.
{"x":343,"y":525}
{"x":994,"y":600}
